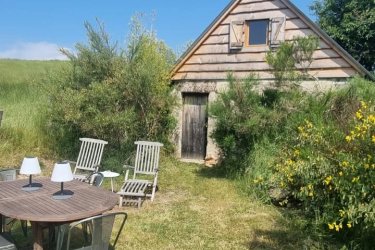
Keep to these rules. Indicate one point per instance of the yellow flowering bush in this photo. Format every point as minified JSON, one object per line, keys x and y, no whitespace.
{"x":332,"y":172}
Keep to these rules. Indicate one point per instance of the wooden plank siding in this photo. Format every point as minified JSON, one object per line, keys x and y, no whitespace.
{"x":265,"y":75}
{"x":213,"y":59}
{"x":243,"y":57}
{"x":258,"y":6}
{"x":259,"y":65}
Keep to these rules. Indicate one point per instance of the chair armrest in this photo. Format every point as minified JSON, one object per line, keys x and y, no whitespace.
{"x":97,"y":167}
{"x":127,"y":168}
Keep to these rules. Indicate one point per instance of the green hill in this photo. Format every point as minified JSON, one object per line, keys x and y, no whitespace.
{"x":22,"y":96}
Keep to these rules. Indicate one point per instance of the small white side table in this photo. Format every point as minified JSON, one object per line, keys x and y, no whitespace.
{"x":110,"y":174}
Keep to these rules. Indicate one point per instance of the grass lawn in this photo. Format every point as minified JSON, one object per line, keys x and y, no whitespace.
{"x":195,"y":209}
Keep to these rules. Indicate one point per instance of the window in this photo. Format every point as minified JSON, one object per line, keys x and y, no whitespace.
{"x":257,"y":32}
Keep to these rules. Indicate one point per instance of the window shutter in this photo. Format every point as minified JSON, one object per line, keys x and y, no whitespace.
{"x":277,"y":31}
{"x":236,"y":35}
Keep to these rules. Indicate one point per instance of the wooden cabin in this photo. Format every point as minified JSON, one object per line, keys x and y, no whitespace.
{"x":237,"y":41}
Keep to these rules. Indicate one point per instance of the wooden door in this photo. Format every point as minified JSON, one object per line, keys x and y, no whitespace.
{"x":194,"y":126}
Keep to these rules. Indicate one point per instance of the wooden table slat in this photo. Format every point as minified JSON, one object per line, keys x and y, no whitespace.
{"x":40,"y":206}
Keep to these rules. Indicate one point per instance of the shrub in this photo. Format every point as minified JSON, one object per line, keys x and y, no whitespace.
{"x":242,"y":116}
{"x":291,"y":58}
{"x":313,"y":151}
{"x":327,"y":165}
{"x":334,"y":177}
{"x":119,"y":95}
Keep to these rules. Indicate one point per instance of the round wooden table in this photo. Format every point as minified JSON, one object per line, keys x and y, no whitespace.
{"x":40,"y":208}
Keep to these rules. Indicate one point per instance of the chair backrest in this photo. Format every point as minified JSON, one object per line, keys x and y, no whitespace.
{"x":147,"y":157}
{"x":96,"y":179}
{"x":99,"y":235}
{"x":8,"y":175}
{"x":90,"y":154}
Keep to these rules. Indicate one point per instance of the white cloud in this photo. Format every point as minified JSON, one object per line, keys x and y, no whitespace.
{"x":34,"y":51}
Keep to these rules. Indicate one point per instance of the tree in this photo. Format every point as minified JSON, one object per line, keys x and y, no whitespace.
{"x":352,"y":24}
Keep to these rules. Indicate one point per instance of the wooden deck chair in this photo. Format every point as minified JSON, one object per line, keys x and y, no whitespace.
{"x":89,"y":158}
{"x":146,"y":163}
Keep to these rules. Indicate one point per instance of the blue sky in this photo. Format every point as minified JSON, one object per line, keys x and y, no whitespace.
{"x":35,"y":29}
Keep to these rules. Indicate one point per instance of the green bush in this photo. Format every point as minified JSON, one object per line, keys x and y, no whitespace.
{"x":119,"y":95}
{"x":304,"y":150}
{"x":243,"y":116}
{"x":325,"y":164}
{"x":246,"y":118}
{"x":333,"y":172}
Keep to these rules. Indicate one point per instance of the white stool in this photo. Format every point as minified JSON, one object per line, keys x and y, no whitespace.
{"x":110,"y":174}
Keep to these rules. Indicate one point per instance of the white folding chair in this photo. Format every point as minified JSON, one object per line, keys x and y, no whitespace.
{"x":89,"y":158}
{"x":135,"y":190}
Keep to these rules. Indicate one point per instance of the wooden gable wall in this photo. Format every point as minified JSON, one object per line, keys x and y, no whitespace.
{"x":213,"y":59}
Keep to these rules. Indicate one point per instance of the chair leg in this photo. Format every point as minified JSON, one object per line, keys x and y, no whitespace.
{"x":2,"y":222}
{"x":85,"y":231}
{"x":51,"y":235}
{"x":139,"y":202}
{"x":60,"y":235}
{"x":153,"y":193}
{"x":120,"y":201}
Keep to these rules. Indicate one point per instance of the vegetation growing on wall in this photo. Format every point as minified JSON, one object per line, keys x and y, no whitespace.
{"x":290,"y":62}
{"x":242,"y":117}
{"x":119,"y":95}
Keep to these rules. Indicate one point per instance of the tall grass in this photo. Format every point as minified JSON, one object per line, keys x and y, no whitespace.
{"x":23,"y":103}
